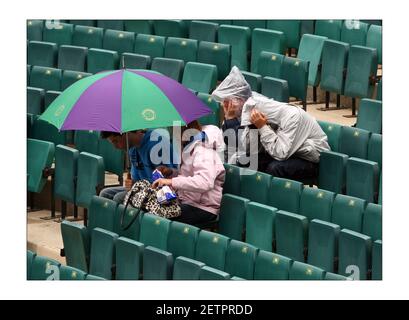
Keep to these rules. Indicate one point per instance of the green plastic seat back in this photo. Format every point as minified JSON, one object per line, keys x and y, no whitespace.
{"x":211,"y":249}
{"x":35,"y":100}
{"x":333,"y":132}
{"x":238,"y":37}
{"x":354,"y":142}
{"x":139,"y":26}
{"x":232,"y":179}
{"x":307,"y":26}
{"x":380,"y":189}
{"x":60,"y":33}
{"x":101,"y":60}
{"x":72,"y":58}
{"x":89,"y":37}
{"x":251,"y":24}
{"x":253,"y":79}
{"x":65,"y":174}
{"x":181,"y":49}
{"x":260,"y":225}
{"x":240,"y":258}
{"x":76,"y":240}
{"x":332,"y":171}
{"x":275,"y":88}
{"x":347,"y":212}
{"x":203,"y":30}
{"x":271,"y":266}
{"x":187,"y":269}
{"x":40,"y":155}
{"x":265,"y":40}
{"x":182,"y":239}
{"x":372,"y":225}
{"x":119,"y":41}
{"x":35,"y":30}
{"x":134,"y":230}
{"x":135,"y":61}
{"x":284,"y":194}
{"x":50,"y":96}
{"x":208,"y":273}
{"x":377,"y":260}
{"x":270,"y":64}
{"x":370,"y":115}
{"x":302,"y":271}
{"x":200,"y":77}
{"x":254,"y":185}
{"x":316,"y":204}
{"x":102,"y":253}
{"x":114,"y":159}
{"x":111,"y":24}
{"x":42,"y":54}
{"x":290,"y":28}
{"x":362,"y":179}
{"x":217,"y":54}
{"x":101,"y":213}
{"x":45,"y":131}
{"x":149,"y":45}
{"x":88,"y":23}
{"x":45,"y":78}
{"x":157,"y":264}
{"x":44,"y":268}
{"x":329,"y":28}
{"x":129,"y":255}
{"x":71,"y":274}
{"x":170,"y":28}
{"x":69,"y":77}
{"x":172,"y":68}
{"x":374,"y":40}
{"x":295,"y":71}
{"x":232,"y":216}
{"x":213,"y":118}
{"x":86,"y":141}
{"x":154,"y":231}
{"x":354,"y":32}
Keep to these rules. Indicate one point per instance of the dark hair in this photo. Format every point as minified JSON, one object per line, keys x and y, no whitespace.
{"x":107,"y":134}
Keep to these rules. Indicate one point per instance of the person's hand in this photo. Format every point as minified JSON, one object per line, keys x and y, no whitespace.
{"x":258,"y":119}
{"x":166,"y":171}
{"x":161,"y":182}
{"x":230,"y":110}
{"x":128,"y":184}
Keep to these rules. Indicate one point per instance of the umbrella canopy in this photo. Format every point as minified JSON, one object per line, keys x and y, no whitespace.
{"x":122,"y":101}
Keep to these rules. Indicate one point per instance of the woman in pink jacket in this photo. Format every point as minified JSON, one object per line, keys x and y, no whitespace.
{"x":199,"y":183}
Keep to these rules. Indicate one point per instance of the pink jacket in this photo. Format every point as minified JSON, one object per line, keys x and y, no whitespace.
{"x":201,"y":176}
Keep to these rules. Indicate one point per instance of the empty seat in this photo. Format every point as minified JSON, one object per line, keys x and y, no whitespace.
{"x":102,"y":213}
{"x":89,"y":23}
{"x":232,"y":216}
{"x":208,"y":273}
{"x":187,"y":269}
{"x":316,"y":204}
{"x":89,"y":37}
{"x":69,"y":77}
{"x":362,"y":179}
{"x":172,"y":68}
{"x":270,"y":64}
{"x":332,"y":171}
{"x":372,"y":224}
{"x":111,"y":24}
{"x":217,"y":54}
{"x":302,"y":271}
{"x":232,"y":179}
{"x":347,"y":212}
{"x":354,"y":32}
{"x":135,"y":61}
{"x":370,"y":116}
{"x":182,"y":49}
{"x":60,"y":33}
{"x":333,"y":132}
{"x":129,"y":256}
{"x":323,"y":244}
{"x":285,"y":194}
{"x":329,"y":28}
{"x":182,"y":239}
{"x":119,"y":41}
{"x":86,"y":141}
{"x":50,"y":96}
{"x":35,"y":30}
{"x":157,"y":264}
{"x":260,"y":220}
{"x":377,"y":260}
{"x":295,"y":71}
{"x":290,"y":28}
{"x":139,"y":26}
{"x":251,"y":24}
{"x":42,"y":130}
{"x":134,"y":230}
{"x":334,"y":277}
{"x":76,"y":244}
{"x":354,"y":142}
{"x":253,"y":79}
{"x":375,"y":149}
{"x":90,"y":178}
{"x":291,"y":234}
{"x":211,"y":249}
{"x":170,"y":28}
{"x":265,"y":40}
{"x":240,"y":258}
{"x":44,"y":268}
{"x":102,"y":253}
{"x":101,"y":60}
{"x":307,"y":26}
{"x":35,"y":100}
{"x":65,"y":174}
{"x":154,"y":231}
{"x":374,"y":40}
{"x":354,"y":254}
{"x":45,"y":78}
{"x":275,"y":88}
{"x":71,"y":274}
{"x":149,"y":45}
{"x":40,"y":155}
{"x":114,"y":159}
{"x":72,"y":58}
{"x":214,"y":117}
{"x":255,"y":185}
{"x":42,"y":54}
{"x":200,"y":77}
{"x":30,"y":258}
{"x":271,"y":266}
{"x":203,"y":30}
{"x":238,"y":37}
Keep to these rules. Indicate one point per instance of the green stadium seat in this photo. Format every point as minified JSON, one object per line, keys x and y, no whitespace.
{"x":60,"y":34}
{"x":102,"y":213}
{"x":172,"y":68}
{"x":89,"y":37}
{"x":380,"y":189}
{"x":187,"y":269}
{"x":295,"y":71}
{"x":270,"y":64}
{"x":170,"y":28}
{"x":302,"y":271}
{"x":129,"y":257}
{"x":285,"y":194}
{"x":102,"y":252}
{"x":251,"y":24}
{"x":370,"y":115}
{"x":377,"y":260}
{"x":260,"y":225}
{"x":139,"y":26}
{"x":114,"y":159}
{"x":30,"y":258}
{"x":232,"y":216}
{"x":374,"y":40}
{"x":35,"y":100}
{"x":86,"y":141}
{"x":76,"y":239}
{"x":135,"y":61}
{"x":211,"y":249}
{"x":240,"y":258}
{"x":45,"y":78}
{"x":42,"y":130}
{"x":50,"y":96}
{"x":65,"y":174}
{"x":334,"y":277}
{"x":88,"y":23}
{"x":379,"y":91}
{"x":182,"y":49}
{"x":90,"y":177}
{"x":200,"y":77}
{"x":42,"y":54}
{"x":214,"y":117}
{"x":119,"y":41}
{"x":72,"y":58}
{"x":232,"y":179}
{"x":203,"y":30}
{"x":35,"y":30}
{"x":372,"y":225}
{"x":333,"y":132}
{"x":347,"y":212}
{"x":265,"y":40}
{"x":354,"y":250}
{"x":332,"y":171}
{"x":290,"y":28}
{"x":271,"y":266}
{"x":101,"y":60}
{"x":253,"y":79}
{"x":316,"y":204}
{"x":220,"y":22}
{"x":362,"y":179}
{"x":255,"y":185}
{"x":44,"y":269}
{"x":275,"y":88}
{"x":218,"y":54}
{"x":157,"y":264}
{"x":30,"y":120}
{"x":40,"y":155}
{"x":307,"y":26}
{"x":149,"y":45}
{"x":182,"y":239}
{"x":69,"y":77}
{"x":154,"y":231}
{"x":71,"y":274}
{"x":354,"y":32}
{"x":323,"y":244}
{"x":28,"y":73}
{"x":329,"y":28}
{"x":208,"y":273}
{"x":111,"y":24}
{"x":90,"y":277}
{"x":354,"y":142}
{"x":291,"y":234}
{"x":238,"y":38}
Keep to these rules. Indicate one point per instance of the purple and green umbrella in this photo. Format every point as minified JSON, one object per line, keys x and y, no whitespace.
{"x":122,"y":101}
